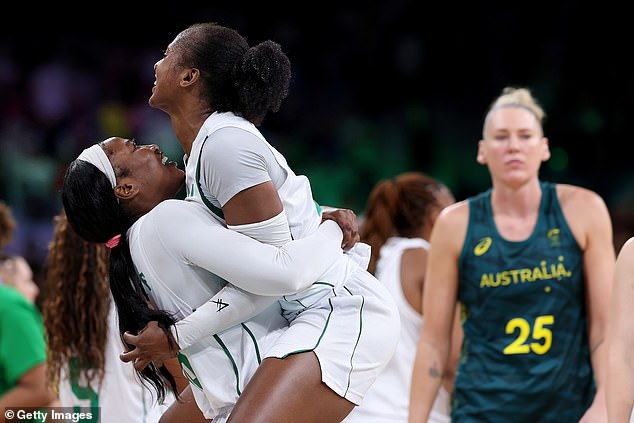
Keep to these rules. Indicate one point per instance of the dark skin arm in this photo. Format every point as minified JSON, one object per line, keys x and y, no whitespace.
{"x":254,"y":204}
{"x":174,"y":367}
{"x":151,"y":343}
{"x":261,"y":202}
{"x":347,"y":221}
{"x":185,"y":410}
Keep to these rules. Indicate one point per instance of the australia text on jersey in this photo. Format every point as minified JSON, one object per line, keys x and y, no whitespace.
{"x":543,"y":272}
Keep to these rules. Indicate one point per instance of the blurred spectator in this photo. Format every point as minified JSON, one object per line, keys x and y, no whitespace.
{"x":22,"y":348}
{"x":15,"y":271}
{"x":7,"y":225}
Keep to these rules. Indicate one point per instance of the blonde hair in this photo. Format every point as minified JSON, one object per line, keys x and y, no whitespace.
{"x":516,"y":97}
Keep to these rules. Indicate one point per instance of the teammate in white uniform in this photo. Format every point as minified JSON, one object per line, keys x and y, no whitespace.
{"x":388,"y":399}
{"x":230,"y":155}
{"x":120,"y":396}
{"x":82,"y":332}
{"x":215,"y":95}
{"x":176,"y":246}
{"x":177,"y":232}
{"x":398,"y":218}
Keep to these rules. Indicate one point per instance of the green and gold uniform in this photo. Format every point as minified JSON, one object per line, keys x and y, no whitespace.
{"x":525,"y":356}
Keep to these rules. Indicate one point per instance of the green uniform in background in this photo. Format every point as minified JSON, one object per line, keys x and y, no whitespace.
{"x":22,"y":344}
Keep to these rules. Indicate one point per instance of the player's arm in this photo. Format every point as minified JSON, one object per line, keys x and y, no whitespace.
{"x":252,"y":269}
{"x":23,"y":354}
{"x":251,"y":205}
{"x":590,"y":222}
{"x":248,"y":266}
{"x":261,"y":268}
{"x":235,"y":170}
{"x":233,"y":305}
{"x":620,"y":383}
{"x":449,"y":376}
{"x":30,"y":390}
{"x":439,"y":305}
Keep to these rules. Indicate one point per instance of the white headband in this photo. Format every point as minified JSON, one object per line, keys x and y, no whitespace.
{"x":97,"y":157}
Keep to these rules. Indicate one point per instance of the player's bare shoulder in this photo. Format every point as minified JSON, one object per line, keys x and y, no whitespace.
{"x":579,"y":200}
{"x":627,"y":252}
{"x":455,"y":213}
{"x":585,"y":211}
{"x":451,"y":224}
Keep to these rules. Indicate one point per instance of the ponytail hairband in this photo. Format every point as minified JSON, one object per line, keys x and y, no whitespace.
{"x":113,"y":242}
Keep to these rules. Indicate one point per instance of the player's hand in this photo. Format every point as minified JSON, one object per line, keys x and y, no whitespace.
{"x":151,"y":345}
{"x":347,"y":221}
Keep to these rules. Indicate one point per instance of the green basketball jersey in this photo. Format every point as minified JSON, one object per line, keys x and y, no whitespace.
{"x":525,"y":355}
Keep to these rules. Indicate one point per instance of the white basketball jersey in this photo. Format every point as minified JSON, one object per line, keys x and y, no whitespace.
{"x":229,"y":155}
{"x":171,"y":247}
{"x":121,"y":397}
{"x":388,"y":398}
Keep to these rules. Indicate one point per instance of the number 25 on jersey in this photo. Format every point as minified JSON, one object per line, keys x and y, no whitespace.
{"x":541,"y":337}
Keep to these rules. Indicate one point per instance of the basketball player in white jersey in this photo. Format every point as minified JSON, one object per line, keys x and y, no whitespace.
{"x":185,"y":244}
{"x":397,"y":223}
{"x":234,"y":172}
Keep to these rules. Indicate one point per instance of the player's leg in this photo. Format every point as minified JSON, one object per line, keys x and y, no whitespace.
{"x":289,"y":390}
{"x":184,"y":410}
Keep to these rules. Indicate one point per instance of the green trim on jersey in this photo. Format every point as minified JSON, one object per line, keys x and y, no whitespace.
{"x":233,"y":362}
{"x":256,"y":346}
{"x":82,"y":392}
{"x":215,"y":210}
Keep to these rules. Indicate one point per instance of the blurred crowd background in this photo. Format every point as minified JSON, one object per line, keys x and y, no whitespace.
{"x":378,"y":88}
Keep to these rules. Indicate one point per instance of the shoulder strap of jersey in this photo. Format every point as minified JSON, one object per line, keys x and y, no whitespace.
{"x":215,"y":210}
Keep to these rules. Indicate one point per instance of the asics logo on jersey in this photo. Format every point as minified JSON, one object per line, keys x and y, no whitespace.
{"x":483,"y":246}
{"x":220,"y":304}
